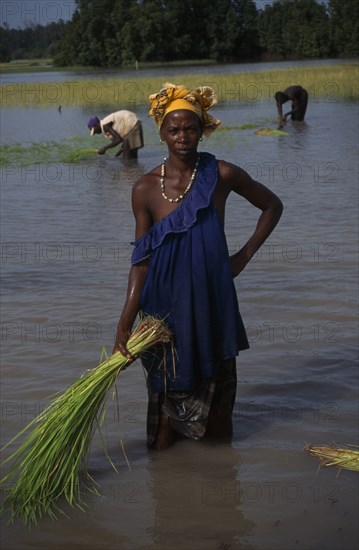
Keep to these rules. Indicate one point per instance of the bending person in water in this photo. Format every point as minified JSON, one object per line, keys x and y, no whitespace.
{"x":122,"y":128}
{"x":299,"y":98}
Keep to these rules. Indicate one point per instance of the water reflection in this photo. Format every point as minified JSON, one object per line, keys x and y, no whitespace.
{"x":199,"y":504}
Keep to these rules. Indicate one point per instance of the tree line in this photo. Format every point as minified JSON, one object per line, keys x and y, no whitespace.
{"x":115,"y":33}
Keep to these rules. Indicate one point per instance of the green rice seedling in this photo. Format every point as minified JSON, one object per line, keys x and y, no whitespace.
{"x":341,"y":457}
{"x":51,"y":463}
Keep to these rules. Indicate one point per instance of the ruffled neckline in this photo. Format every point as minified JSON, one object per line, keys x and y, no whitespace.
{"x":185,"y":215}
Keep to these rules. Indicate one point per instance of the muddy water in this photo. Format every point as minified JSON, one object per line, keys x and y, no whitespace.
{"x":66,"y":231}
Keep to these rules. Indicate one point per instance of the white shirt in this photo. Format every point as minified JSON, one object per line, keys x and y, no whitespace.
{"x":123,"y":122}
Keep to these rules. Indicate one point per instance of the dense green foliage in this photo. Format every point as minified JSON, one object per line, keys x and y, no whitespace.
{"x":344,"y":26}
{"x":297,"y":29}
{"x":113,"y":33}
{"x":36,"y":41}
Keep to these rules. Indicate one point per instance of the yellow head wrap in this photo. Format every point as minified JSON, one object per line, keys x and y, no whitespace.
{"x":172,"y":97}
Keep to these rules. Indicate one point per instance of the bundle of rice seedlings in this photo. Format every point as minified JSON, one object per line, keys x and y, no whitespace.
{"x":52,"y":461}
{"x":80,"y":154}
{"x":341,"y":457}
{"x":270,"y":132}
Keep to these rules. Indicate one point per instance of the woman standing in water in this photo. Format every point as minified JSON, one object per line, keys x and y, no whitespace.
{"x":182,"y":272}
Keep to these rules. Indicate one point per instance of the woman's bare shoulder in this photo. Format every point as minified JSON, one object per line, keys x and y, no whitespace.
{"x":146,"y":182}
{"x":232,"y":174}
{"x":225,"y":167}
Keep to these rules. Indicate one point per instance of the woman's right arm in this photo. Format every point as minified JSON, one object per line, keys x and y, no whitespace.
{"x":137,"y":274}
{"x":136,"y":281}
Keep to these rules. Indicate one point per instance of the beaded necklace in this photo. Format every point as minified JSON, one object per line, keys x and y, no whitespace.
{"x":182,"y":195}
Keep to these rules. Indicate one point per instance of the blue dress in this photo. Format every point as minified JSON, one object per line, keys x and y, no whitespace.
{"x":189,"y":284}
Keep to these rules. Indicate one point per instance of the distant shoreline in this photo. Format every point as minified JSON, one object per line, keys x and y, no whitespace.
{"x":46,"y":65}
